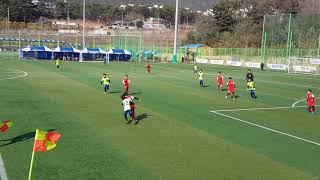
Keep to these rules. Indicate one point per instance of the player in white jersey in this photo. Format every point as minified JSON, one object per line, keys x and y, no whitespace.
{"x":129,"y":108}
{"x":201,"y":75}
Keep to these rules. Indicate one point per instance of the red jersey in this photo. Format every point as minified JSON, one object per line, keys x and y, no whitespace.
{"x":220,"y":79}
{"x":310,"y":99}
{"x":131,"y":98}
{"x":126,"y":82}
{"x":148,"y":66}
{"x":231,"y":85}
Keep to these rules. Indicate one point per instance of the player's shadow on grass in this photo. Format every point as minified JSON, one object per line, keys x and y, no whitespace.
{"x":136,"y":93}
{"x":115,"y":92}
{"x":224,"y":89}
{"x":20,"y":138}
{"x":143,"y":116}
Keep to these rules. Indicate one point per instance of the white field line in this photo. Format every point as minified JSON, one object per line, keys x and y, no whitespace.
{"x":3,"y":174}
{"x":268,"y":129}
{"x":259,"y":80}
{"x":297,"y":102}
{"x":294,"y":104}
{"x":254,"y":109}
{"x":15,"y":77}
{"x":289,"y":84}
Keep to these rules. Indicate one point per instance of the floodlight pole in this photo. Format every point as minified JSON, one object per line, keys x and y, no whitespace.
{"x":83,"y":25}
{"x":174,"y":58}
{"x":289,"y":43}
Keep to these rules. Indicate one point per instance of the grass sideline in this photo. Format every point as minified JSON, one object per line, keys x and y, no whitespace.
{"x":178,"y":137}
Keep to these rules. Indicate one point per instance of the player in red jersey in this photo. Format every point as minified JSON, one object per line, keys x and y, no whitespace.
{"x":231,"y":88}
{"x":311,"y":102}
{"x":126,"y":83}
{"x":148,"y":68}
{"x":220,"y":81}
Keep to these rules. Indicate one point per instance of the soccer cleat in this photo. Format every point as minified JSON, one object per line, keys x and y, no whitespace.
{"x":226,"y":97}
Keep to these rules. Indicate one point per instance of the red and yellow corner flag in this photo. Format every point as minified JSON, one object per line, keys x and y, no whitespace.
{"x":5,"y":125}
{"x":45,"y":141}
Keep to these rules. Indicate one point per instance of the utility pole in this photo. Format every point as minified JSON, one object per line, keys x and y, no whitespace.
{"x":8,"y":19}
{"x":68,"y":12}
{"x":122,"y":18}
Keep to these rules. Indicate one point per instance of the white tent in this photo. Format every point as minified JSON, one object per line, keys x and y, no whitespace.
{"x":92,"y":51}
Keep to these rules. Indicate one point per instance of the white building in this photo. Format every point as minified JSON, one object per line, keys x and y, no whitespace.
{"x":47,"y":4}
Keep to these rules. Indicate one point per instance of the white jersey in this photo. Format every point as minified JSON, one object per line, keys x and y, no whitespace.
{"x":126,"y":104}
{"x":201,"y":75}
{"x":195,"y":68}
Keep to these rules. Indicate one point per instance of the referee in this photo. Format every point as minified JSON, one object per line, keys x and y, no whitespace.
{"x":249,"y":76}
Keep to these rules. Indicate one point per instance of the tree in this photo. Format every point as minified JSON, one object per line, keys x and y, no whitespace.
{"x":44,"y":11}
{"x":23,"y":11}
{"x":3,"y":8}
{"x":224,"y":14}
{"x":139,"y":24}
{"x":75,"y":11}
{"x":310,"y":6}
{"x":168,"y":14}
{"x":186,"y":16}
{"x":61,"y":10}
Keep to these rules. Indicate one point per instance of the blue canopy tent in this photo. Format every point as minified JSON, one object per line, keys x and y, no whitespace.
{"x":192,"y":46}
{"x":92,"y":54}
{"x":66,"y":53}
{"x":36,"y":52}
{"x":118,"y":54}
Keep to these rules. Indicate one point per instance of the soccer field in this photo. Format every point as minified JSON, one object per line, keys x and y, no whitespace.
{"x":185,"y":132}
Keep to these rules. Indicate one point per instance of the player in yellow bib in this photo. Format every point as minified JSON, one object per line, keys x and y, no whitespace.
{"x":58,"y":62}
{"x":252,"y":89}
{"x":105,"y":81}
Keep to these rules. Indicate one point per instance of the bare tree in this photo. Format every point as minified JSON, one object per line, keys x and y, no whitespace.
{"x":310,"y":6}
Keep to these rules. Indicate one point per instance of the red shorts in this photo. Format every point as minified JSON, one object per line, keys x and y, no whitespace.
{"x":230,"y":90}
{"x":132,"y":105}
{"x":311,"y":104}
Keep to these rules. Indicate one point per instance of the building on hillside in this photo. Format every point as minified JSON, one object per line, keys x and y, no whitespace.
{"x":49,"y":5}
{"x":154,"y":23}
{"x":123,"y":25}
{"x":65,"y":24}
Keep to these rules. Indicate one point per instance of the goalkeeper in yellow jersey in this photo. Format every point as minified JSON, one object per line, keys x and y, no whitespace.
{"x":252,"y":89}
{"x":105,"y":81}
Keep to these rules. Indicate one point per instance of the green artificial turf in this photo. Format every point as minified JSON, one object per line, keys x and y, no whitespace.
{"x":177,"y":138}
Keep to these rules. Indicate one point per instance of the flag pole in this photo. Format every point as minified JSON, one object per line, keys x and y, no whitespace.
{"x":32,"y":157}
